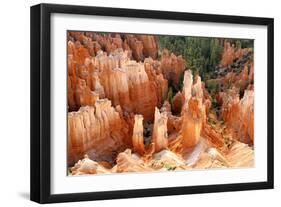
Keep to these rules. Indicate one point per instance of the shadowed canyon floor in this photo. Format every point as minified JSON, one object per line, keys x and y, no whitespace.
{"x":134,"y":106}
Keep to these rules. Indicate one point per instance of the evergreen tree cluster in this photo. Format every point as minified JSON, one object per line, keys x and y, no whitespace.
{"x":202,"y":54}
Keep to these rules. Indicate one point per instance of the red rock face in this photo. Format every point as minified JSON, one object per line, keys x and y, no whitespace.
{"x":139,"y":47}
{"x":230,"y":54}
{"x":172,"y":67}
{"x":156,"y":79}
{"x":142,"y":46}
{"x":241,"y":80}
{"x":192,"y":112}
{"x":98,"y":131}
{"x":127,"y":84}
{"x":178,"y":102}
{"x":136,"y":46}
{"x":207,"y":100}
{"x":94,"y":75}
{"x":150,"y":47}
{"x":137,"y":139}
{"x":239,"y":114}
{"x":192,"y":123}
{"x":109,"y":43}
{"x":160,"y":135}
{"x":80,"y":83}
{"x":236,"y":84}
{"x":134,"y":86}
{"x":212,"y":135}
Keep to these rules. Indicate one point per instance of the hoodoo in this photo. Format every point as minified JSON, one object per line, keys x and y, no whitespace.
{"x":146,"y":103}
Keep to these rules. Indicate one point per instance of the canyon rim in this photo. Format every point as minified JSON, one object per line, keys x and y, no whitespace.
{"x":156,"y":103}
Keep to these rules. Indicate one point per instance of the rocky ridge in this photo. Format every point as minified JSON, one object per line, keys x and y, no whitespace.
{"x":119,"y":121}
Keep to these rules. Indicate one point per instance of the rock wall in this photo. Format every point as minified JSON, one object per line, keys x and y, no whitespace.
{"x":178,"y":102}
{"x":138,"y":46}
{"x":150,"y":47}
{"x":127,"y":84}
{"x":230,"y":54}
{"x":157,"y":80}
{"x":80,"y":82}
{"x":99,"y":131}
{"x":172,"y":67}
{"x":135,"y":86}
{"x":238,"y":114}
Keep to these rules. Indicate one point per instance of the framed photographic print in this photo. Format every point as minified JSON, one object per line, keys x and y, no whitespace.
{"x":132,"y":103}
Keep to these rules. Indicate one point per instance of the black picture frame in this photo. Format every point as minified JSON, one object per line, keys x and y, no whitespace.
{"x":41,"y":96}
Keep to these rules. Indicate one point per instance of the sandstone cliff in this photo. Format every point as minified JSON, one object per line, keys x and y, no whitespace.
{"x":138,"y":46}
{"x":99,"y":131}
{"x":80,"y":82}
{"x":230,"y":54}
{"x":239,"y":114}
{"x":172,"y":67}
{"x":125,"y":82}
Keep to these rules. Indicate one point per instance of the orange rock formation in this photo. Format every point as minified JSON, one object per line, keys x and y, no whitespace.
{"x":192,"y":112}
{"x":172,"y":67}
{"x":239,"y":114}
{"x":116,"y":87}
{"x":160,"y":135}
{"x":230,"y":54}
{"x":123,"y":81}
{"x":99,"y":131}
{"x":137,"y":139}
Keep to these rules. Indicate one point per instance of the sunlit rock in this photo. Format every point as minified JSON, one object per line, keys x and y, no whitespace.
{"x":160,"y":135}
{"x":138,"y":141}
{"x":98,"y":131}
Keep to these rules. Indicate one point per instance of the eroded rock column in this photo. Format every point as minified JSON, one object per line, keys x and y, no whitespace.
{"x":160,"y":134}
{"x":138,"y":141}
{"x":192,"y":112}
